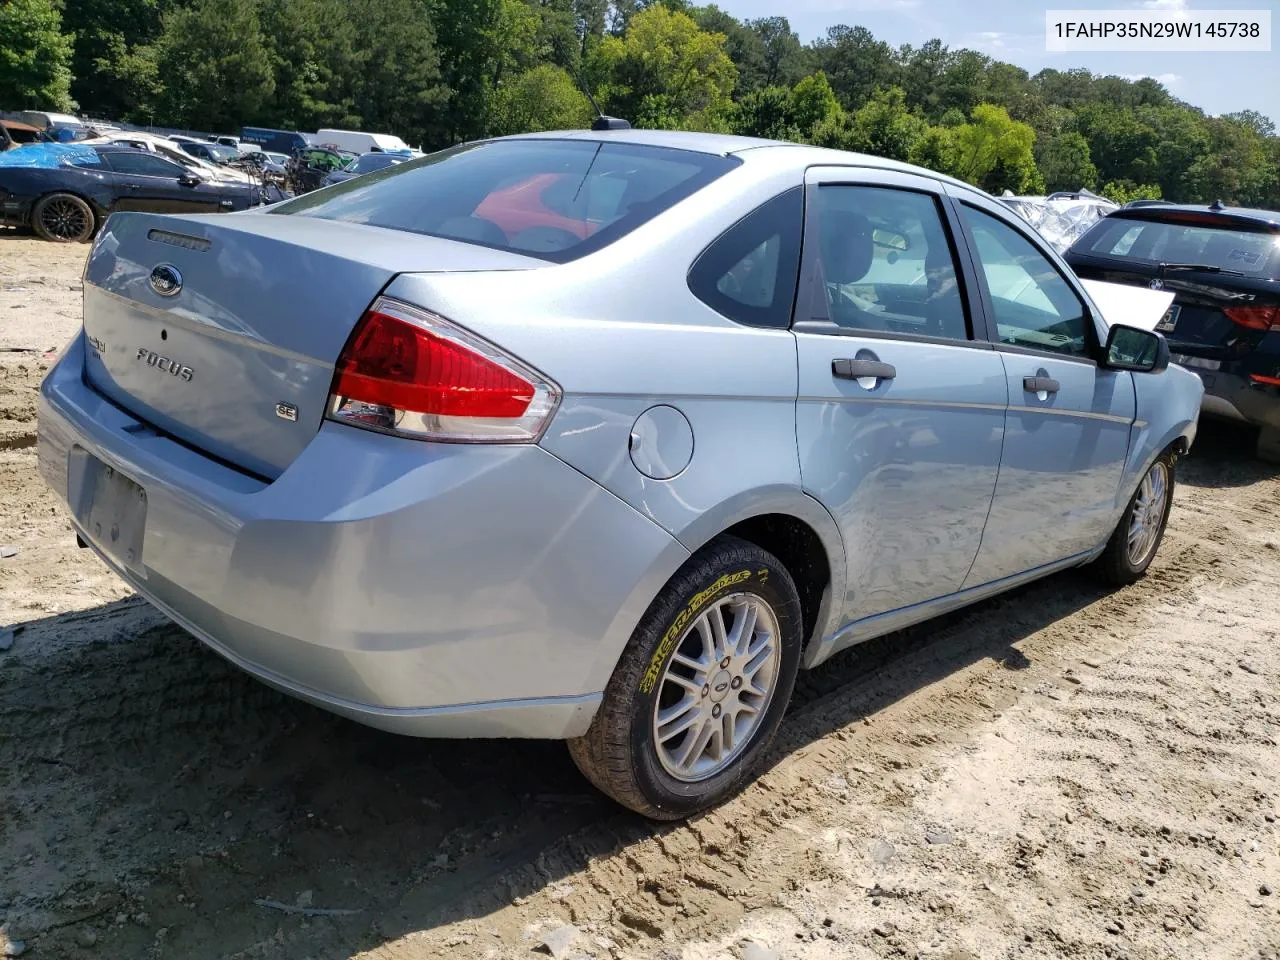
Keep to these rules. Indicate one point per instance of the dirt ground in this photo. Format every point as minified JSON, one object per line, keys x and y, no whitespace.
{"x":1061,"y":772}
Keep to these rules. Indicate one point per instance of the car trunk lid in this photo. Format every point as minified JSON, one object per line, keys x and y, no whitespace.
{"x":223,"y":330}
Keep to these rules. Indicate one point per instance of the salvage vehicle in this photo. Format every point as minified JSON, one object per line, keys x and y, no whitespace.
{"x":1223,"y":266}
{"x":362,"y":165}
{"x":210,"y":152}
{"x":616,"y":485}
{"x":14,"y":133}
{"x":65,"y":192}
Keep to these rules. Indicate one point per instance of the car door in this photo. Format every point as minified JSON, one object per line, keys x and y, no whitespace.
{"x":901,"y":407}
{"x":1067,"y":432}
{"x":151,"y":183}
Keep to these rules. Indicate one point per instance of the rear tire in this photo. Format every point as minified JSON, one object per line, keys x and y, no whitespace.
{"x":734,"y":606}
{"x":63,"y":218}
{"x":1268,"y":448}
{"x":1137,"y":536}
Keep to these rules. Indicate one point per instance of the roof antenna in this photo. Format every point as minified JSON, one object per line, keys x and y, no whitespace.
{"x":601,"y":122}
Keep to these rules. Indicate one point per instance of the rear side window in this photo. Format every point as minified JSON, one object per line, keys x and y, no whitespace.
{"x":553,"y":199}
{"x":749,"y":273}
{"x":142,"y":164}
{"x":1161,"y":241}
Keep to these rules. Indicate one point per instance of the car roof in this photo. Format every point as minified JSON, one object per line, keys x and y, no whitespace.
{"x":1269,"y":218}
{"x":722,"y":144}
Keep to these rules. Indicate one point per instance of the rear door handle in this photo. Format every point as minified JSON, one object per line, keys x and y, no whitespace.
{"x":860,"y":369}
{"x":1040,"y":385}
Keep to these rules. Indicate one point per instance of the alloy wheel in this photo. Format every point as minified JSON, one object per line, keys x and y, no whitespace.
{"x":1148,"y":513}
{"x":717,"y":688}
{"x":64,"y":219}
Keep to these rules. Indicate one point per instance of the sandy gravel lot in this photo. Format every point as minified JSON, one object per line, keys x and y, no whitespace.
{"x":1061,"y":772}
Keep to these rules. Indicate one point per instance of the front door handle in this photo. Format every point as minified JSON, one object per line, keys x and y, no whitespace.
{"x":863,"y":369}
{"x":1040,"y":385}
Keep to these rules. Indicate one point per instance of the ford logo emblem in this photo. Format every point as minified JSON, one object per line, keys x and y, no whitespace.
{"x":166,"y":280}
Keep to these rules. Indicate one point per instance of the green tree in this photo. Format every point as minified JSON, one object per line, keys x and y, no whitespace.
{"x":217,"y":68}
{"x":744,"y":46}
{"x":35,"y":56}
{"x":994,"y":152}
{"x":544,"y":98}
{"x":784,"y":60}
{"x":813,"y":102}
{"x":666,"y":73}
{"x":113,"y":71}
{"x":1122,"y":191}
{"x":766,"y":112}
{"x":1065,"y":162}
{"x":856,"y":64}
{"x":883,"y":127}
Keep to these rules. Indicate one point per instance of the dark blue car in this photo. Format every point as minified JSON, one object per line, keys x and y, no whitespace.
{"x":364,"y":164}
{"x":66,"y":192}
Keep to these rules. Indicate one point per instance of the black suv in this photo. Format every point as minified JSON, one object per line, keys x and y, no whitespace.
{"x":1223,"y":266}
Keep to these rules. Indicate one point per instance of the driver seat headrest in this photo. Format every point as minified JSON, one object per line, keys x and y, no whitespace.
{"x":845,"y":244}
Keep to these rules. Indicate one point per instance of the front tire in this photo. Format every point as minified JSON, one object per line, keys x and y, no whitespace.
{"x":63,"y":218}
{"x":701,"y":688}
{"x":1137,"y":536}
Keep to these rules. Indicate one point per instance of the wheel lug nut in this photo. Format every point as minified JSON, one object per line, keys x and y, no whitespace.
{"x":715,"y":711}
{"x":706,"y":689}
{"x":736,"y":683}
{"x":724,"y":664}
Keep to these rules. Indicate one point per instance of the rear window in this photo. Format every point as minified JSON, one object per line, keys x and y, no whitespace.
{"x":1244,"y":251}
{"x":553,"y":199}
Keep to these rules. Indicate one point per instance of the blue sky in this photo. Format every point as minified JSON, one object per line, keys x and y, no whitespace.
{"x":1013,"y":30}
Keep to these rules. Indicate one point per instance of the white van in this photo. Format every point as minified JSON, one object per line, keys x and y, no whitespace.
{"x":358,"y":142}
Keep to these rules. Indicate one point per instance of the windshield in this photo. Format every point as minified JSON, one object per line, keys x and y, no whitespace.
{"x":223,"y":154}
{"x":554,"y":199}
{"x":1168,"y":241}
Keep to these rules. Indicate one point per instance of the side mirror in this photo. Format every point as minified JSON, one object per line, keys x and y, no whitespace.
{"x":189,"y":180}
{"x":1131,"y":348}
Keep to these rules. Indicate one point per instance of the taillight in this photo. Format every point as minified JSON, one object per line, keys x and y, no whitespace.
{"x":408,"y":372}
{"x":1255,"y":318}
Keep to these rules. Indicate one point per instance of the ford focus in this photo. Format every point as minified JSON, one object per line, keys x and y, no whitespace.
{"x":600,"y":437}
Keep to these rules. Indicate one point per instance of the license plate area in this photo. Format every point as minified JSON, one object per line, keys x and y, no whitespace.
{"x":109,"y":507}
{"x":1169,"y":322}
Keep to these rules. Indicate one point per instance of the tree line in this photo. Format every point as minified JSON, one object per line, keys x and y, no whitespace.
{"x":440,"y":71}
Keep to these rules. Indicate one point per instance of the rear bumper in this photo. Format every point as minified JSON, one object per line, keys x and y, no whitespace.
{"x":1231,"y":394}
{"x":430,"y":589}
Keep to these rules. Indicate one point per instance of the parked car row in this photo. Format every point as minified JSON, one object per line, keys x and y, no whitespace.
{"x":65,"y":192}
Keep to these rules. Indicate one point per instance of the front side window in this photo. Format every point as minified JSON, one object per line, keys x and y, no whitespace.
{"x":884,"y":262}
{"x":749,"y":272}
{"x":1033,"y":305}
{"x":553,"y":199}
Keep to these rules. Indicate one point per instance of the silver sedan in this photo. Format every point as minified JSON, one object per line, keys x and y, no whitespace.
{"x":600,"y":436}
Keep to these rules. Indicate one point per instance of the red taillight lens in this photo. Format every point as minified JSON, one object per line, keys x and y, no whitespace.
{"x":407,"y":371}
{"x":1255,"y":318}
